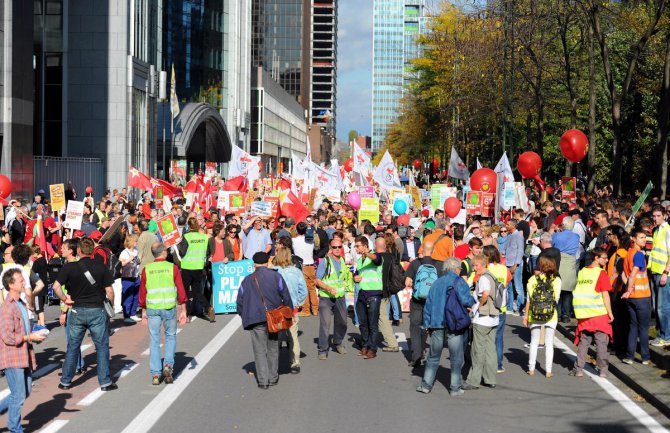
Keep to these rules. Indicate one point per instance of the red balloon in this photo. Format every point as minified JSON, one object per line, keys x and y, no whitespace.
{"x":484,"y":180}
{"x":5,"y":186}
{"x":425,"y":213}
{"x":403,"y":219}
{"x":529,"y":164}
{"x":89,"y":190}
{"x":417,"y":164}
{"x":452,"y":206}
{"x":436,"y":163}
{"x":574,"y":145}
{"x":444,"y":173}
{"x":349,"y":165}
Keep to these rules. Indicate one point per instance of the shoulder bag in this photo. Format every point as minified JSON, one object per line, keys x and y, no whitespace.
{"x":280,"y":318}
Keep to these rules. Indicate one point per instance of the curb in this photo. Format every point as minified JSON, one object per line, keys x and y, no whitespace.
{"x":658,"y":359}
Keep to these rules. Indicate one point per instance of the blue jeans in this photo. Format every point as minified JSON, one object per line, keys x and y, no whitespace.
{"x":20,"y":382}
{"x":96,"y":321}
{"x":565,"y":304}
{"x":168,"y":318}
{"x":639,"y":313}
{"x":532,"y":263}
{"x":395,"y":308}
{"x":663,"y":306}
{"x":456,"y":357}
{"x":368,"y":314}
{"x":517,"y":279}
{"x":80,"y":357}
{"x":356,"y":290}
{"x":499,"y":339}
{"x":130,"y":296}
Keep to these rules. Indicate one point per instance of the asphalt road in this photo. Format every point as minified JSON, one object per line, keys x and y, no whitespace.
{"x":215,"y":391}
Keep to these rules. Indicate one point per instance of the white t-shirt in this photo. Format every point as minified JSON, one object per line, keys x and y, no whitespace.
{"x":304,"y":250}
{"x":484,"y":285}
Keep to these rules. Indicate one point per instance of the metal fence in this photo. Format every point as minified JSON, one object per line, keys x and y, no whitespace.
{"x":81,"y":172}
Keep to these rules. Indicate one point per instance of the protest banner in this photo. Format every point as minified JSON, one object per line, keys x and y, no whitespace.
{"x":57,"y":193}
{"x":366,"y":191}
{"x":167,"y":227}
{"x":274,"y":202}
{"x":473,"y":202}
{"x":74,"y":215}
{"x":222,"y":199}
{"x":466,"y":189}
{"x":416,"y":196}
{"x":488,"y":204}
{"x":425,"y":194}
{"x":509,"y":197}
{"x":110,"y":231}
{"x":312,"y":198}
{"x":638,"y":204}
{"x":369,"y":210}
{"x":235,"y":203}
{"x":569,"y":188}
{"x":447,"y":192}
{"x":435,"y":195}
{"x":227,"y":278}
{"x":251,"y":197}
{"x":210,"y":169}
{"x":261,"y":209}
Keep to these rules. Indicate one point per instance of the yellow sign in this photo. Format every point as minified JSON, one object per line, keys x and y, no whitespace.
{"x":57,"y":192}
{"x":369,"y":210}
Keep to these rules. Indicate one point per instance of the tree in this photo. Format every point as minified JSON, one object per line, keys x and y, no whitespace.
{"x":353,"y":135}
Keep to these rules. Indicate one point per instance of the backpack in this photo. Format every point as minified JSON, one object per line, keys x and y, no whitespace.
{"x":396,"y":277}
{"x":456,"y":317}
{"x":542,"y":303}
{"x":499,"y":295}
{"x":423,"y":281}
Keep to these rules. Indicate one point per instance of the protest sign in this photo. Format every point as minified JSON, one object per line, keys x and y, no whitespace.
{"x":366,"y":191}
{"x":274,"y":202}
{"x":167,"y":227}
{"x":57,"y":193}
{"x":222,"y":199}
{"x":74,"y":214}
{"x":569,"y":188}
{"x":401,"y":197}
{"x":312,"y":198}
{"x":509,"y":197}
{"x":227,"y":278}
{"x":416,"y":196}
{"x":235,"y":203}
{"x":447,"y":192}
{"x":261,"y":209}
{"x":435,"y":195}
{"x":251,"y":197}
{"x":488,"y":204}
{"x":369,"y":210}
{"x":473,"y":202}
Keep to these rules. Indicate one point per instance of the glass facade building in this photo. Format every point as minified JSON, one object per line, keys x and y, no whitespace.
{"x":396,"y":25}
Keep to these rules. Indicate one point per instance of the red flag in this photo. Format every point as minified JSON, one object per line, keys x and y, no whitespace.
{"x":169,"y":190}
{"x":290,"y":206}
{"x":192,"y":185}
{"x":139,"y":180}
{"x":284,"y":184}
{"x":238,"y":183}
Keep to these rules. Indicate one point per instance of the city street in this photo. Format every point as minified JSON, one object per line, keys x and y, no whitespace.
{"x":215,"y":391}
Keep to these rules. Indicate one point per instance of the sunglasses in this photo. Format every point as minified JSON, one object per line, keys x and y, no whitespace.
{"x":232,"y":232}
{"x":336,"y":247}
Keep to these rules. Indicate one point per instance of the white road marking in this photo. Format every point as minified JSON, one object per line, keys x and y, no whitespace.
{"x":643,"y":417}
{"x":36,"y":375}
{"x":97,"y":393}
{"x":85,"y":347}
{"x":162,"y":402}
{"x":54,"y":426}
{"x":402,"y":341}
{"x":146,"y":352}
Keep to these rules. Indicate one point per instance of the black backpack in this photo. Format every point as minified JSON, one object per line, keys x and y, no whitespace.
{"x":542,"y":303}
{"x":396,"y":280}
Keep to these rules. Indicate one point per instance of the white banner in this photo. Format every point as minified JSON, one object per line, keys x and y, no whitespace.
{"x":74,"y":215}
{"x":457,"y":168}
{"x":243,"y":164}
{"x":386,"y":173}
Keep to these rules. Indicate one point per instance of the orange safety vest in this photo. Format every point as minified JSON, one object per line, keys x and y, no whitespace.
{"x":613,"y":273}
{"x":641,"y":282}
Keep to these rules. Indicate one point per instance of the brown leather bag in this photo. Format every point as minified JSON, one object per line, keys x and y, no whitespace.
{"x":280,"y":318}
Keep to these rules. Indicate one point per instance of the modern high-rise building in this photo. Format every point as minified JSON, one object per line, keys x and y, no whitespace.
{"x":396,"y":25}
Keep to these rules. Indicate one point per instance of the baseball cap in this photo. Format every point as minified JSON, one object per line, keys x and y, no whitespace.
{"x":95,"y":235}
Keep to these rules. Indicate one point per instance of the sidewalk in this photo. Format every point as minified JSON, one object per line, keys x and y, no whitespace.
{"x":649,"y":381}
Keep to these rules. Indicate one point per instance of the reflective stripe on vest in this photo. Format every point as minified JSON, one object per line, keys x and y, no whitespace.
{"x":195,"y":256}
{"x":585,"y":300}
{"x":339,"y":282}
{"x":658,"y":257}
{"x":612,"y":272}
{"x":100,"y":214}
{"x":161,"y":291}
{"x":371,"y":275}
{"x":641,"y":288}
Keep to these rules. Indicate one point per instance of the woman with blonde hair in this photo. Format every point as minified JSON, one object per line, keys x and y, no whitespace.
{"x":548,"y":281}
{"x":297,"y":288}
{"x":130,"y":279}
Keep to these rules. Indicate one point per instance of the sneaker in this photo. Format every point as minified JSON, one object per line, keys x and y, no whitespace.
{"x":295,"y":369}
{"x":456,"y":393}
{"x":156,"y":379}
{"x":647,"y":362}
{"x":167,"y":373}
{"x":540,"y":346}
{"x":467,"y":387}
{"x":659,"y":342}
{"x":574,"y":372}
{"x":422,"y":389}
{"x":129,"y":321}
{"x":340,"y":349}
{"x":627,"y":361}
{"x":531,"y":372}
{"x":549,"y":374}
{"x":390,"y":349}
{"x":500,"y":370}
{"x":323,"y":356}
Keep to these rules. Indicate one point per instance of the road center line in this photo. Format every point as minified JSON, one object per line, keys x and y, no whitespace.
{"x":643,"y":417}
{"x":162,"y":402}
{"x":54,"y":426}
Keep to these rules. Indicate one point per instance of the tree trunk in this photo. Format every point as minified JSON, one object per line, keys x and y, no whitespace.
{"x":663,"y":127}
{"x":591,"y":161}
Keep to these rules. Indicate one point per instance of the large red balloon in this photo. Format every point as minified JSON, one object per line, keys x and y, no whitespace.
{"x":5,"y":186}
{"x":425,"y":213}
{"x":452,"y":206}
{"x":417,"y":164}
{"x":436,"y":163}
{"x":529,"y":165}
{"x":574,"y":145}
{"x":484,"y":180}
{"x":349,"y":165}
{"x":403,"y":219}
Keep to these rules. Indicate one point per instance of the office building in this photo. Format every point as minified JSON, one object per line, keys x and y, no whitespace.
{"x":396,"y":25}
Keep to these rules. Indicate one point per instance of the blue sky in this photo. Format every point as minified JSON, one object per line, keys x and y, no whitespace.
{"x":354,"y":67}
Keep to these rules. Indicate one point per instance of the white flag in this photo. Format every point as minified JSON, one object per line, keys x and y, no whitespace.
{"x":324,"y":180}
{"x":386,"y":173}
{"x":243,"y":164}
{"x":335,"y":170}
{"x":457,"y":169}
{"x":479,"y":164}
{"x":361,"y":163}
{"x":504,"y":168}
{"x":174,"y":102}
